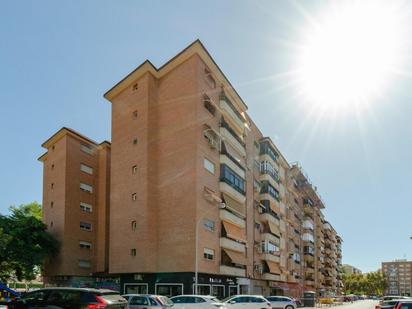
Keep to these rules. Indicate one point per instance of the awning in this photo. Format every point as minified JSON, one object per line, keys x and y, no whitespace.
{"x":236,"y":257}
{"x":273,"y":267}
{"x":234,"y":232}
{"x":273,"y":206}
{"x":234,"y":205}
{"x":274,"y":229}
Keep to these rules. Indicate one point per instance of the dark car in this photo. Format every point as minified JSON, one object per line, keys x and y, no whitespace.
{"x":69,"y":298}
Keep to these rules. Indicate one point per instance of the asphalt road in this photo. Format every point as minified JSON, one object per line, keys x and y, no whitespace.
{"x":360,"y":304}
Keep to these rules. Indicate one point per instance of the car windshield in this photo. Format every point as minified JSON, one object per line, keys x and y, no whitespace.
{"x":165,"y":301}
{"x":227,"y":298}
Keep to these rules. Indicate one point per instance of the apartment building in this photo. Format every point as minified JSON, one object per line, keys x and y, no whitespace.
{"x":196,"y":198}
{"x":349,"y":269}
{"x":398,"y":276}
{"x":76,"y":174}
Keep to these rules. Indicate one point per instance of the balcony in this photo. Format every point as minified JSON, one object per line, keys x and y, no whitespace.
{"x":230,"y":111}
{"x":225,"y":187}
{"x":232,"y":271}
{"x":271,"y":238}
{"x":271,"y":257}
{"x":229,"y":135}
{"x":234,"y":165}
{"x":292,"y":279}
{"x":268,"y":217}
{"x":228,"y":216}
{"x":232,"y":245}
{"x":271,"y":277}
{"x":310,"y":282}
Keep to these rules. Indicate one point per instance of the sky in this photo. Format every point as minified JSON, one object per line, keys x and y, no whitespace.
{"x":58,"y":58}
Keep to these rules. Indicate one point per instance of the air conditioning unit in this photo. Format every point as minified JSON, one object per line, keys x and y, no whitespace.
{"x":260,"y":210}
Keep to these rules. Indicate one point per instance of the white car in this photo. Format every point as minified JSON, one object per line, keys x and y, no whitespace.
{"x":196,"y":302}
{"x":282,"y":302}
{"x":247,"y":302}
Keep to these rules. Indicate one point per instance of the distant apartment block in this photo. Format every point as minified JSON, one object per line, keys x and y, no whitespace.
{"x":398,"y":276}
{"x":185,"y":159}
{"x":350,"y":270}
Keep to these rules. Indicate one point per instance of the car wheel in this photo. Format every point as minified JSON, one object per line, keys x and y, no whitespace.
{"x":289,"y":307}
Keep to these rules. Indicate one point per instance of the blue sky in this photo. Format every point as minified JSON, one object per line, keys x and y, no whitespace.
{"x":57,"y":58}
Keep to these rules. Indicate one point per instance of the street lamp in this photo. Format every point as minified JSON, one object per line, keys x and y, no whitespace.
{"x":220,"y":206}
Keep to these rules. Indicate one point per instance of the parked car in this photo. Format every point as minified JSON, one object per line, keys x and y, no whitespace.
{"x":69,"y":298}
{"x":404,"y":304}
{"x":389,"y":304}
{"x":146,"y":301}
{"x":384,"y":301}
{"x":196,"y":301}
{"x":247,"y":302}
{"x":282,"y":302}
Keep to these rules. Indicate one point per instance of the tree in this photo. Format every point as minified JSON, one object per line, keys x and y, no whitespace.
{"x":25,"y":243}
{"x":372,"y":283}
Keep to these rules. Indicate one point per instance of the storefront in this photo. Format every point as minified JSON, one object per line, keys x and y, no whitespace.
{"x":171,"y":284}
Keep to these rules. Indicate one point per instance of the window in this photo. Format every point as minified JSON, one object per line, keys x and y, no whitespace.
{"x":134,"y":169}
{"x":52,"y":166}
{"x":86,"y":149}
{"x":52,"y":185}
{"x":85,"y":245}
{"x":134,"y":225}
{"x":209,"y":225}
{"x":85,"y":226}
{"x":134,"y":196}
{"x":208,"y":105}
{"x":208,"y":254}
{"x":267,"y":168}
{"x":268,"y":188}
{"x":208,"y":165}
{"x":135,"y":141}
{"x":51,"y":204}
{"x":209,"y":78}
{"x":135,"y":87}
{"x":133,"y":252}
{"x":86,"y":188}
{"x":86,"y":169}
{"x":135,"y":114}
{"x":53,"y":147}
{"x":232,"y":179}
{"x":51,"y":224}
{"x":84,"y":264}
{"x":85,"y":207}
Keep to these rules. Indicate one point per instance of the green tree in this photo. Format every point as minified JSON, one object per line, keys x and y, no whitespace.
{"x":372,"y":283}
{"x":25,"y":243}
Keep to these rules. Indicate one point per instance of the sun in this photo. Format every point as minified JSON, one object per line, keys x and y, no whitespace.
{"x":350,"y":54}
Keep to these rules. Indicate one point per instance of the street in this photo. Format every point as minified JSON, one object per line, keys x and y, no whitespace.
{"x":360,"y":304}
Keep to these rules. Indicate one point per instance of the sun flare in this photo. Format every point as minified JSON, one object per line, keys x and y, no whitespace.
{"x":350,"y":54}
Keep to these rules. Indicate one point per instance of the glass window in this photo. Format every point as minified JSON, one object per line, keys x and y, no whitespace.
{"x":85,"y":207}
{"x":139,"y":301}
{"x":86,"y":187}
{"x":85,"y":226}
{"x":209,"y":165}
{"x":231,"y":178}
{"x":86,"y":169}
{"x":84,"y":264}
{"x":86,"y":149}
{"x":209,"y":225}
{"x":85,"y":245}
{"x":208,"y":254}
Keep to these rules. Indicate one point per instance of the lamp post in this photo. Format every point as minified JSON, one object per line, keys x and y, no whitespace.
{"x":220,"y":206}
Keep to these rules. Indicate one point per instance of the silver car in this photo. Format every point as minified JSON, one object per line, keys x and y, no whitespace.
{"x":146,"y":301}
{"x":282,"y":302}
